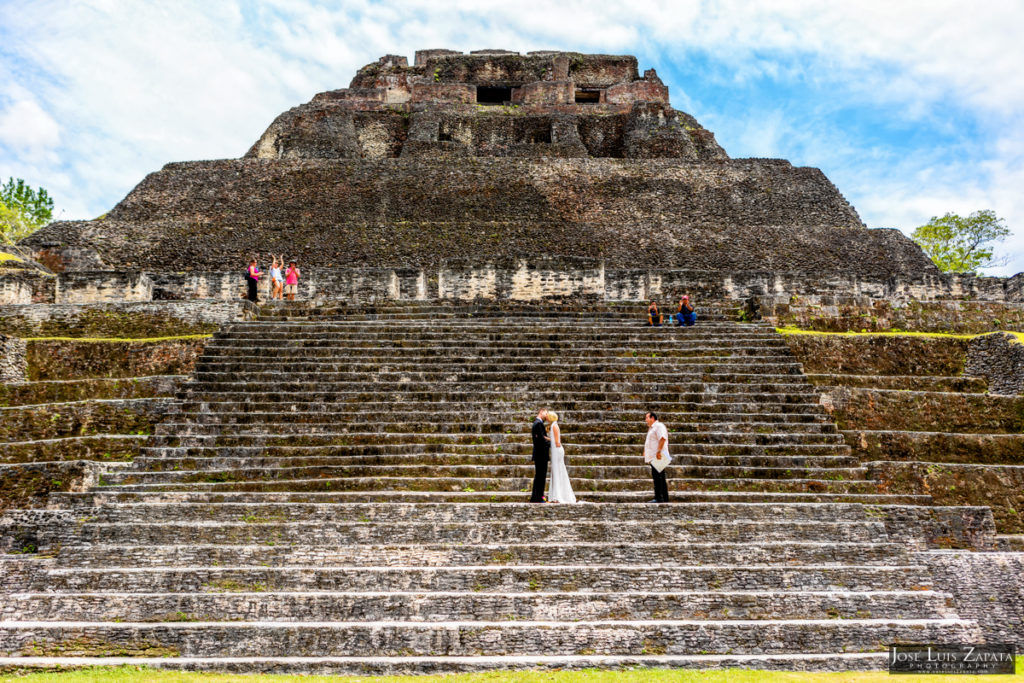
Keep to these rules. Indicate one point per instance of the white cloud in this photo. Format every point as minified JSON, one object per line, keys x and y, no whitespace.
{"x":24,"y":125}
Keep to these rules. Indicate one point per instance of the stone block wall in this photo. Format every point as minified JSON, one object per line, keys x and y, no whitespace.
{"x":122,"y":320}
{"x":986,"y":587}
{"x":1001,"y":487}
{"x":928,"y":528}
{"x":96,"y":286}
{"x":999,"y":358}
{"x":13,"y":364}
{"x":27,"y":287}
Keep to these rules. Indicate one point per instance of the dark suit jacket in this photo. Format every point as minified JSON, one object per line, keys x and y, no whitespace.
{"x":541,"y":446}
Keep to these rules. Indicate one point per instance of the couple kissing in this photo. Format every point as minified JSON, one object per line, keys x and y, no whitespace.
{"x":547,"y":449}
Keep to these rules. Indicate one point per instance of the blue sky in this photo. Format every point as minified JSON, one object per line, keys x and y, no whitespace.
{"x":911,"y":108}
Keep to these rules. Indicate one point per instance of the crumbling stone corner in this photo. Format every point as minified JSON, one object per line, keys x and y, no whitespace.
{"x":13,"y":362}
{"x":999,"y":358}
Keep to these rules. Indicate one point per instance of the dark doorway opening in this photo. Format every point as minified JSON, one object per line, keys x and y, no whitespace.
{"x":539,"y":137}
{"x":588,"y":96}
{"x":489,"y":94}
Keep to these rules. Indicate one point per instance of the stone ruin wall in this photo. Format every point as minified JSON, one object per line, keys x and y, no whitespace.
{"x":733,"y":216}
{"x":491,"y":103}
{"x":582,"y":280}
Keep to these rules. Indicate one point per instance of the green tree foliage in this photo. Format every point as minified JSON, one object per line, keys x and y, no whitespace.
{"x":962,"y":245}
{"x":22,"y":210}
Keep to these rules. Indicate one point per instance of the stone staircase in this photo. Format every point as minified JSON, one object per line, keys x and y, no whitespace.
{"x":322,"y":501}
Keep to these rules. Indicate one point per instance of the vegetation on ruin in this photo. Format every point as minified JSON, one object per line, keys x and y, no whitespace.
{"x":119,"y":340}
{"x":959,"y":244}
{"x":128,"y":674}
{"x":1019,"y":336}
{"x":4,"y":256}
{"x":23,"y":210}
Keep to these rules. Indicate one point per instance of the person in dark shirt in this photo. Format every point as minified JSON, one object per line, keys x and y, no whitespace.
{"x":654,"y":317}
{"x":686,"y":315}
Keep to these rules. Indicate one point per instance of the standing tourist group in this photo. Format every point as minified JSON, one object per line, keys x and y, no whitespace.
{"x":283,"y":281}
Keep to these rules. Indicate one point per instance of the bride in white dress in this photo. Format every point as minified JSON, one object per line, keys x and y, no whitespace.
{"x":560,"y":490}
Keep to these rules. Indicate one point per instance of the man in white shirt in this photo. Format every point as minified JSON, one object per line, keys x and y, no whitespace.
{"x":656,"y":448}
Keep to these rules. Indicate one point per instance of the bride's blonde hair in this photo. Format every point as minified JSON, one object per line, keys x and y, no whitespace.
{"x":551,"y":418}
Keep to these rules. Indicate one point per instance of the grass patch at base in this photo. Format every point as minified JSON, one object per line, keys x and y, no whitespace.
{"x":1019,"y":336}
{"x":130,"y":674}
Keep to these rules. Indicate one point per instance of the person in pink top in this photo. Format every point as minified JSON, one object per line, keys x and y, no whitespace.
{"x":252,"y":278}
{"x":291,"y":281}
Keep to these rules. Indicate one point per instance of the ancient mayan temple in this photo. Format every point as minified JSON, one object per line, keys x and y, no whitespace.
{"x":486,"y":159}
{"x":338,"y":484}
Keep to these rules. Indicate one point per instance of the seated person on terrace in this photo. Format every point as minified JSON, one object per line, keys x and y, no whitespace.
{"x":654,"y":316}
{"x":686,"y":315}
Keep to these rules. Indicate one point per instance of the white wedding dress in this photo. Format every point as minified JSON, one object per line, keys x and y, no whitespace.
{"x":560,"y":490}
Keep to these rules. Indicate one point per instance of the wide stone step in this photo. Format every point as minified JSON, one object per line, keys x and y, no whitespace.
{"x":265,"y":507}
{"x":312,"y":402}
{"x":351,"y":533}
{"x":488,"y":638}
{"x":515,"y":579}
{"x":310,"y":426}
{"x":698,"y":367}
{"x":637,"y":319}
{"x":104,"y":495}
{"x":580,"y":460}
{"x":488,"y":487}
{"x":512,"y":344}
{"x":510,"y":341}
{"x":238,"y":438}
{"x":449,"y":606}
{"x":394,"y":666}
{"x":200,"y":412}
{"x":292,"y":470}
{"x":629,"y":451}
{"x":631,"y":397}
{"x":768,"y":553}
{"x":648,"y":367}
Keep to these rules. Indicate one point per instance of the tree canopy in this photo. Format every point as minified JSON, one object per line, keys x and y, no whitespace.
{"x":962,"y":245}
{"x":22,"y":210}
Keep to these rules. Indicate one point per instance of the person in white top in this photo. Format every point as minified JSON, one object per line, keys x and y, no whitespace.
{"x":656,"y":448}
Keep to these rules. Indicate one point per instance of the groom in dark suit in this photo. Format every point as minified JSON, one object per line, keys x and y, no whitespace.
{"x":541,"y":456}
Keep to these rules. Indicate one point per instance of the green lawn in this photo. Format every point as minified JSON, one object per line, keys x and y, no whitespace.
{"x":137,"y":675}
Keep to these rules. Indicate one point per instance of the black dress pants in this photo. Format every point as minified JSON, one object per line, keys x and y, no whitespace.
{"x":539,"y":478}
{"x":660,"y":485}
{"x":251,"y":281}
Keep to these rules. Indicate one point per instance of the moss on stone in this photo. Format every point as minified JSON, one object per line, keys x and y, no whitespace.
{"x":880,"y":354}
{"x":61,"y":359}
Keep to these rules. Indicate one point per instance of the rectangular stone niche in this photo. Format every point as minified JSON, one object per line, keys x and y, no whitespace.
{"x":493,"y":95}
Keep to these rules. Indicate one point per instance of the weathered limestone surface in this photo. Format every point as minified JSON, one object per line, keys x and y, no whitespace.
{"x":999,"y":358}
{"x":73,"y":359}
{"x":936,"y":447}
{"x":879,"y":355}
{"x":924,"y":411}
{"x":967,"y":305}
{"x":122,"y":320}
{"x":986,"y":587}
{"x":13,"y":362}
{"x":1001,"y":487}
{"x":345,"y":213}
